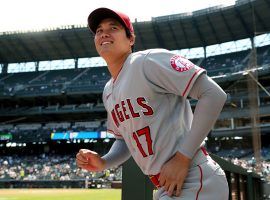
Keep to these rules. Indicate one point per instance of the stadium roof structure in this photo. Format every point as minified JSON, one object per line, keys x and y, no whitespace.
{"x":200,"y":28}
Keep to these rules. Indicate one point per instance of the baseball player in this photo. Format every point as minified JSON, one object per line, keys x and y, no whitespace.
{"x":150,"y":115}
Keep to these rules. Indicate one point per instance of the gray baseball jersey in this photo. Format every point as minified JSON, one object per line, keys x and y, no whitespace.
{"x":147,"y":105}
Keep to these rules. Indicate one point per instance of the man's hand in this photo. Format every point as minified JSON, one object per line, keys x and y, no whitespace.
{"x":173,"y":174}
{"x":90,"y":160}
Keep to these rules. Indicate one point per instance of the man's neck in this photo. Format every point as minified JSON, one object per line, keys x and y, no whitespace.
{"x":116,"y":64}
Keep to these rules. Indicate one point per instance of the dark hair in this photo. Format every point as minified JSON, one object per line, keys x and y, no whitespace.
{"x":129,"y":35}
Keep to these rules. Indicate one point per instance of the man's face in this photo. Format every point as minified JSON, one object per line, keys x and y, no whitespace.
{"x":111,"y":40}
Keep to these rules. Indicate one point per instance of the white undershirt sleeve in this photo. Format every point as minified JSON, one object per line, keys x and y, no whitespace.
{"x":211,"y":99}
{"x":118,"y":154}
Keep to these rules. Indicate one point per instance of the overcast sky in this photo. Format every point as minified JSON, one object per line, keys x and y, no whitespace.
{"x":38,"y":14}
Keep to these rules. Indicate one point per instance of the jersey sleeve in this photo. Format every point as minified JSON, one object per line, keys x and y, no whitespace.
{"x":170,"y":73}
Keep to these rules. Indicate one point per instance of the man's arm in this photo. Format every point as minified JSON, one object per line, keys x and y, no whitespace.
{"x":118,"y":154}
{"x":91,"y":161}
{"x":211,"y":99}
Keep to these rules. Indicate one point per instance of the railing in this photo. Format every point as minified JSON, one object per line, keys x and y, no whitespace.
{"x":242,"y":183}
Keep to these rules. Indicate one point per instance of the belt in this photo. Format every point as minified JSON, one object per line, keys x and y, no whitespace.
{"x":155,"y":178}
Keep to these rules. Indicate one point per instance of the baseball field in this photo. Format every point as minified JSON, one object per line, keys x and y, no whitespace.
{"x":61,"y":194}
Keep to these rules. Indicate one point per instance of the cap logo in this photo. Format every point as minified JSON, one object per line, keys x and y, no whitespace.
{"x":180,"y":64}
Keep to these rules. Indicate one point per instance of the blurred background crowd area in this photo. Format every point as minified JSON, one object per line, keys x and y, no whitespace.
{"x":50,"y":167}
{"x":63,"y":167}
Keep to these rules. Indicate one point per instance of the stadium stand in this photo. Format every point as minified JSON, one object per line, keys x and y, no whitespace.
{"x":81,"y":80}
{"x":46,"y":115}
{"x":48,"y":167}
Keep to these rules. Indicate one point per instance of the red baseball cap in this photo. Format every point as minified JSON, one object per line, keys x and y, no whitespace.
{"x":99,"y":14}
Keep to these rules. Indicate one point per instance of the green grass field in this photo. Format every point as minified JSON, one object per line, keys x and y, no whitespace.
{"x":60,"y":194}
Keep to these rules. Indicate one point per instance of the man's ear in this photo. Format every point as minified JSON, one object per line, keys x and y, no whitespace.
{"x":132,"y":40}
